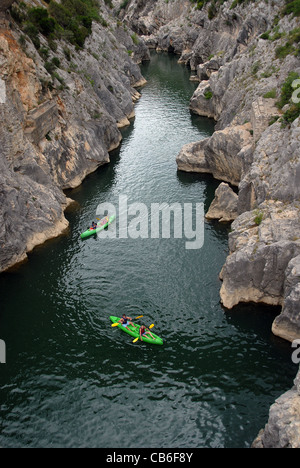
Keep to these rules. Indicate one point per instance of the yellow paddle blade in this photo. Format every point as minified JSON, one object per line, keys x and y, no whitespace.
{"x":140,"y":316}
{"x":152,"y":325}
{"x":134,"y":341}
{"x":115,"y":324}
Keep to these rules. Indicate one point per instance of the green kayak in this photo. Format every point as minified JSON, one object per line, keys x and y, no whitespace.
{"x":134,"y":332}
{"x":103,"y":223}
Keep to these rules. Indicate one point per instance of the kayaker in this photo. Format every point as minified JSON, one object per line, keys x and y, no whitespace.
{"x":125,"y":321}
{"x":144,"y":332}
{"x":94,"y":226}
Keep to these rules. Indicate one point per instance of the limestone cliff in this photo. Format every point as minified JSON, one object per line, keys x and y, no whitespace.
{"x":61,"y":107}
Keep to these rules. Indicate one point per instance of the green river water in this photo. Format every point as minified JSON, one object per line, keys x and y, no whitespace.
{"x":71,"y":380}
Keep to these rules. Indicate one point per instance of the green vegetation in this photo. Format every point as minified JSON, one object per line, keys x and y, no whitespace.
{"x":287,"y":90}
{"x":290,"y":94}
{"x":258,"y":217}
{"x":265,"y":35}
{"x":292,"y":7}
{"x":255,"y":67}
{"x":70,"y":20}
{"x":124,"y":4}
{"x":291,"y":46}
{"x":273,"y":119}
{"x":208,"y":94}
{"x":270,"y":94}
{"x":135,"y":39}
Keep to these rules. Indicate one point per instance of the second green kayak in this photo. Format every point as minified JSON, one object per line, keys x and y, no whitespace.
{"x":135,"y":332}
{"x":103,"y":223}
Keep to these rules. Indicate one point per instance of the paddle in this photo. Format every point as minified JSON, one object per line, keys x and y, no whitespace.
{"x":117,"y":323}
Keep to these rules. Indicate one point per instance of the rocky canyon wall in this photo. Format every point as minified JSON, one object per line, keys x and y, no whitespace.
{"x":61,"y":108}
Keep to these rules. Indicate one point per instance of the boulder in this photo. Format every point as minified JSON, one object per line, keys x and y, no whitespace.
{"x":224,"y":206}
{"x":262,"y":244}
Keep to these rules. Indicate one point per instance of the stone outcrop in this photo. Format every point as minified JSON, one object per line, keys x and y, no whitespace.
{"x":201,"y":102}
{"x":41,"y":120}
{"x":222,"y":155}
{"x":192,"y":158}
{"x":224,"y":206}
{"x":263,"y":110}
{"x":262,"y":242}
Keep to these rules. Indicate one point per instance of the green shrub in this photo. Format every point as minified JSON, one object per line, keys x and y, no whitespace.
{"x":212,"y":10}
{"x":292,"y":7}
{"x":265,"y":35}
{"x":32,"y":31}
{"x":124,"y":4}
{"x":208,"y":94}
{"x":270,"y":94}
{"x":39,"y":17}
{"x":273,"y":119}
{"x":282,"y":51}
{"x":258,"y":217}
{"x":50,"y":67}
{"x":44,"y":53}
{"x":135,"y":39}
{"x":291,"y":46}
{"x":291,"y":114}
{"x":56,"y":62}
{"x":255,"y":67}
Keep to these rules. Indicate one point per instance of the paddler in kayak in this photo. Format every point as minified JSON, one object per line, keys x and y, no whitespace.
{"x":93,"y":227}
{"x":125,"y":321}
{"x":144,"y":332}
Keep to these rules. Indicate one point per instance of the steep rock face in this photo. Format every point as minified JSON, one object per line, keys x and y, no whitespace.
{"x":222,"y":155}
{"x":262,"y":243}
{"x":269,"y":193}
{"x":275,"y":170}
{"x":283,"y":427}
{"x":149,"y":16}
{"x":57,"y":127}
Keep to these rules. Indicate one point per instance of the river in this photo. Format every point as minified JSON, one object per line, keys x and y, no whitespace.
{"x":71,"y":380}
